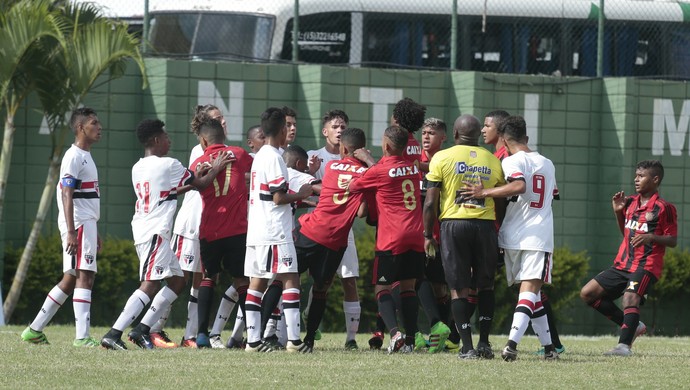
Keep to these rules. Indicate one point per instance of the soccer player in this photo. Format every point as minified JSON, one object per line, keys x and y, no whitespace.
{"x":222,"y":232}
{"x":649,"y":225}
{"x":270,"y":247}
{"x":526,"y":234}
{"x":468,"y":234}
{"x":291,"y":124}
{"x":399,"y":241}
{"x":491,"y":134}
{"x":409,"y":115}
{"x":156,"y":180}
{"x":255,"y":139}
{"x":334,"y":123}
{"x":78,"y":200}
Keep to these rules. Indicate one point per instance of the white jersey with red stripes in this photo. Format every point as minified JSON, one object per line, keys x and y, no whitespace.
{"x":268,"y":223}
{"x":528,"y":224}
{"x":77,"y":164}
{"x":155,"y":181}
{"x":189,"y":216}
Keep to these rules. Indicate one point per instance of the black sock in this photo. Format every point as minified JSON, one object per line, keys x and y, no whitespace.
{"x":454,"y":335}
{"x":631,"y":318}
{"x":443,"y":304}
{"x":551,"y":319}
{"x":242,"y":297}
{"x":461,"y":313}
{"x":114,"y":334}
{"x":318,"y":307}
{"x":609,"y":309}
{"x":410,"y":311}
{"x":380,"y":325}
{"x":145,"y":329}
{"x":487,"y":305}
{"x":427,"y":299}
{"x":387,"y":310}
{"x":205,"y":301}
{"x":270,"y":302}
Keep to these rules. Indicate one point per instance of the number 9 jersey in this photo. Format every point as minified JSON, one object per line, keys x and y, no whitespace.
{"x":528,"y":223}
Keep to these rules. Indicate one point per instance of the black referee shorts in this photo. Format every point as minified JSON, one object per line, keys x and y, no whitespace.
{"x":469,"y":251}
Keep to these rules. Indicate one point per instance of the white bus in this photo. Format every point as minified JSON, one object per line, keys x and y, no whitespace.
{"x":642,"y":37}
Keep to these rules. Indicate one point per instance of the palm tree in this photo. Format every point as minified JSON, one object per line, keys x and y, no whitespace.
{"x":94,"y":47}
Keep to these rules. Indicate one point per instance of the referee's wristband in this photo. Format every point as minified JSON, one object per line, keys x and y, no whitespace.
{"x":427,"y":235}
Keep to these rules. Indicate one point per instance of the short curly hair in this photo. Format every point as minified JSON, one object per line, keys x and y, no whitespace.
{"x":409,"y":114}
{"x":149,"y":128}
{"x":201,"y":116}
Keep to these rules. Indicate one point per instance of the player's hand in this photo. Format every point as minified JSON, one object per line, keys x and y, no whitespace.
{"x":364,"y":155}
{"x":72,"y":243}
{"x":202,"y":169}
{"x":221,"y":160}
{"x":618,"y":201}
{"x":305,"y":191}
{"x":473,"y":190}
{"x":430,"y":247}
{"x":314,"y":164}
{"x":642,"y":239}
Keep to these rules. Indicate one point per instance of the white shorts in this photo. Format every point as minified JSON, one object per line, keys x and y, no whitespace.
{"x":156,"y":260}
{"x":87,"y":248}
{"x":349,"y":265}
{"x":527,"y":265}
{"x":262,"y":261}
{"x":188,"y":253}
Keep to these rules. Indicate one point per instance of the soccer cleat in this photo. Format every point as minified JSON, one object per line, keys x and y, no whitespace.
{"x":202,"y":341}
{"x":397,"y":341}
{"x":619,"y":350}
{"x":484,"y":350}
{"x":113,"y":343}
{"x":34,"y":337}
{"x":419,"y":341}
{"x":259,"y":346}
{"x":469,"y":355}
{"x":141,"y":339}
{"x":639,"y":331}
{"x":161,"y":340}
{"x":551,"y":355}
{"x":88,"y":342}
{"x":273,"y":342}
{"x":351,"y":345}
{"x":452,"y":347}
{"x":437,"y":338}
{"x":299,"y":346}
{"x":509,"y":354}
{"x":407,"y":348}
{"x":234,"y":343}
{"x":217,"y":342}
{"x":188,"y":343}
{"x":560,"y":350}
{"x":376,"y":340}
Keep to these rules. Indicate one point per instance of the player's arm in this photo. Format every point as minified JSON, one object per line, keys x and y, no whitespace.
{"x":314,"y":164}
{"x":364,"y":156}
{"x":477,"y":190}
{"x":206,"y":173}
{"x":68,"y":185}
{"x":668,"y":238}
{"x":281,"y":196}
{"x":430,"y":214}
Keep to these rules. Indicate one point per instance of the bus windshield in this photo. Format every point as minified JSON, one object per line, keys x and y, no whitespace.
{"x":203,"y":35}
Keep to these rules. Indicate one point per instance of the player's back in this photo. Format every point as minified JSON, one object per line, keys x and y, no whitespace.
{"x":155,"y":181}
{"x":189,"y":215}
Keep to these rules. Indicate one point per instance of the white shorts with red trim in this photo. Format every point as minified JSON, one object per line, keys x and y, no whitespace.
{"x":87,"y":248}
{"x":156,"y":260}
{"x":349,"y":265}
{"x":527,"y":265}
{"x":262,"y":261}
{"x":188,"y":253}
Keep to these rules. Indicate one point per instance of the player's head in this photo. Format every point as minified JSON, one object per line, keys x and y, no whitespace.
{"x":273,"y":124}
{"x":351,"y":139}
{"x":513,"y":129}
{"x":291,"y":124}
{"x":408,"y":114}
{"x":202,"y":113}
{"x":648,"y":176}
{"x":296,"y":158}
{"x":152,"y":135}
{"x":334,"y":122}
{"x":85,"y":125}
{"x":433,"y":135}
{"x":492,"y":121}
{"x":466,"y":130}
{"x":394,"y":141}
{"x":255,"y":138}
{"x":211,"y":133}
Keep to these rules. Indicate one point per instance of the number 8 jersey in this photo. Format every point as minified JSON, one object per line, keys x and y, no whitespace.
{"x":528,"y":223}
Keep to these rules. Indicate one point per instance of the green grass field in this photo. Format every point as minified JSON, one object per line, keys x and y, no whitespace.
{"x":657,"y":363}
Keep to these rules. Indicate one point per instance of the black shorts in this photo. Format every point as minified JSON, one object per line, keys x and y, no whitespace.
{"x":616,"y":282}
{"x":389,"y":268}
{"x":321,"y":261}
{"x":469,"y":250}
{"x":227,"y":252}
{"x":434,"y":269}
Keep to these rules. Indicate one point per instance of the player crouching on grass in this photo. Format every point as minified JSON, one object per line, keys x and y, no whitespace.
{"x":649,"y":225}
{"x":156,"y":180}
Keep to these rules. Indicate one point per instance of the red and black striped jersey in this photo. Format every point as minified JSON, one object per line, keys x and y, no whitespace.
{"x":656,"y":217}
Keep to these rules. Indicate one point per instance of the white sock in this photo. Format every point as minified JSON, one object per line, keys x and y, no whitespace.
{"x":522,"y":315}
{"x":160,"y":324}
{"x":253,"y":315}
{"x":165,"y":297}
{"x":227,"y":303}
{"x":540,"y":323}
{"x":291,"y":311}
{"x":135,"y":304}
{"x":272,"y":324}
{"x":238,"y":328}
{"x":53,"y":302}
{"x":281,"y":329}
{"x":352,"y":311}
{"x":192,"y":326}
{"x":81,"y":301}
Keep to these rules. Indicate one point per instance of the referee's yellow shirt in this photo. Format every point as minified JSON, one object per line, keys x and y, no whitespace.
{"x":450,"y":167}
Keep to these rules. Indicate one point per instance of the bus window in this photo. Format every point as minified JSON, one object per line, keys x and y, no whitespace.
{"x":324,"y":38}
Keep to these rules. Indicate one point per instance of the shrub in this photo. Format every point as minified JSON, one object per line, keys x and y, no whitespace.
{"x":672,"y":288}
